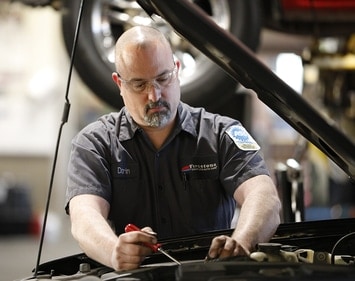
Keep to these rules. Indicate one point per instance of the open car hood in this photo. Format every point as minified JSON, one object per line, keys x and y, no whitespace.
{"x":242,"y":64}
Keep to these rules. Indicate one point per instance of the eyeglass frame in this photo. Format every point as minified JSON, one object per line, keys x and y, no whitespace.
{"x":153,"y":82}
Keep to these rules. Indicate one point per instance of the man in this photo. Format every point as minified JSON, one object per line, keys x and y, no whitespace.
{"x":164,"y":166}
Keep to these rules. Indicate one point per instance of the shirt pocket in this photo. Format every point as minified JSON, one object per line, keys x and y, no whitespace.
{"x":126,"y":185}
{"x":199,"y":168}
{"x":210,"y":206}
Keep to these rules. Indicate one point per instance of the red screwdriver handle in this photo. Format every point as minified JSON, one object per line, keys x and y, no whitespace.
{"x":131,"y":227}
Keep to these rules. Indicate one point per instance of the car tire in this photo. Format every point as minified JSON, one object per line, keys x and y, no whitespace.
{"x":100,"y":28}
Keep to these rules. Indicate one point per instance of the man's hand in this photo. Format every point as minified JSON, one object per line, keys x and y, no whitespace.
{"x":129,"y":251}
{"x":224,"y":247}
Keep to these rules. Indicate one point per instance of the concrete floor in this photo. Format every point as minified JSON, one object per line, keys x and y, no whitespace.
{"x":18,"y":254}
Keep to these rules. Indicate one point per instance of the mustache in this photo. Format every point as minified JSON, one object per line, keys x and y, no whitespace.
{"x":159,"y":103}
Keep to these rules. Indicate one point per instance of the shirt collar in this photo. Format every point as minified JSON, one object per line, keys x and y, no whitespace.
{"x":186,"y":121}
{"x":128,"y":127}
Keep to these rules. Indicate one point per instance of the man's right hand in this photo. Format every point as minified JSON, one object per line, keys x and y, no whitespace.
{"x":129,"y":251}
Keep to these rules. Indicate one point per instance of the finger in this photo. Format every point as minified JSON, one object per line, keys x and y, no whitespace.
{"x":228,"y":248}
{"x":131,"y":245}
{"x":127,"y":256}
{"x":139,"y":237}
{"x":241,"y":251}
{"x":126,"y":262}
{"x":149,"y":230}
{"x":216,"y":247}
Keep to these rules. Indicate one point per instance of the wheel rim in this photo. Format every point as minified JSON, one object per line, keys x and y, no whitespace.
{"x":110,"y":18}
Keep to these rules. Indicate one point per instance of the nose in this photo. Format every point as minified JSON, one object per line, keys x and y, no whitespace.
{"x":154,"y":91}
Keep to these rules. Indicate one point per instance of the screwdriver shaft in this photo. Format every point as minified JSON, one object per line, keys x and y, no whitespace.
{"x":170,"y":257}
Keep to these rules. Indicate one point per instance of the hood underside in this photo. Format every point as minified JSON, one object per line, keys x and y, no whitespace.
{"x":242,"y":64}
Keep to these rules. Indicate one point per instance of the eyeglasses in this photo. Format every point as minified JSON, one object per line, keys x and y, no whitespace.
{"x":160,"y":82}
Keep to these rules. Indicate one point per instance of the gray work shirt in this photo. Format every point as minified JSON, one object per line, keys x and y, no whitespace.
{"x":185,"y":187}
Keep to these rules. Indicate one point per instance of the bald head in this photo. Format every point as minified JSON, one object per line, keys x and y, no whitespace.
{"x":144,"y":59}
{"x":138,"y":39}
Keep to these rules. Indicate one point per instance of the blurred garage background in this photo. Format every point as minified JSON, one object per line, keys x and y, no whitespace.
{"x":34,"y":67}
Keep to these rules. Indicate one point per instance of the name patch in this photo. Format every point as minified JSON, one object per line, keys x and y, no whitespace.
{"x":125,"y":170}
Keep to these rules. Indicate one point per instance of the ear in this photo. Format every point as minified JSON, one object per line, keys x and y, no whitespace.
{"x":178,"y":64}
{"x":116,"y":79}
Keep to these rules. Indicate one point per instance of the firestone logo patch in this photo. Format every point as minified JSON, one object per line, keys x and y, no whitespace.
{"x":199,"y":167}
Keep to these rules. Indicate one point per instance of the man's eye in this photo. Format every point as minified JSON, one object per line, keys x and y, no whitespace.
{"x":138,"y":85}
{"x":163,"y":78}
